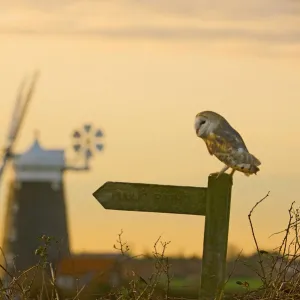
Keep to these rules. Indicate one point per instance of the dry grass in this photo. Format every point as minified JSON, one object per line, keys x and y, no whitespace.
{"x":39,"y":282}
{"x":278,"y":271}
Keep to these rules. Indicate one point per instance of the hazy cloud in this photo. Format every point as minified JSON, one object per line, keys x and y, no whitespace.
{"x":201,"y":33}
{"x":269,"y":20}
{"x":236,"y":9}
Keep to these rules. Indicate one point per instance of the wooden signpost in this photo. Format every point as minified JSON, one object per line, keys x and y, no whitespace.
{"x":213,"y":202}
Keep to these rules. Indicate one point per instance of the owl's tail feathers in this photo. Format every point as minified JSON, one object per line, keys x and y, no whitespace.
{"x":253,"y":170}
{"x":256,"y":161}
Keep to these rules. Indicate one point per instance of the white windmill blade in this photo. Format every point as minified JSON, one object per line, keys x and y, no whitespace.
{"x":16,"y":111}
{"x":21,"y":106}
{"x":12,"y":126}
{"x":24,"y":107}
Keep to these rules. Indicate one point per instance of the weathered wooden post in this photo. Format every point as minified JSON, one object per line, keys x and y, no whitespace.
{"x":217,"y":215}
{"x":212,"y":202}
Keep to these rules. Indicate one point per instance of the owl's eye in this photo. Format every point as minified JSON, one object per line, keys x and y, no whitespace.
{"x":202,"y":122}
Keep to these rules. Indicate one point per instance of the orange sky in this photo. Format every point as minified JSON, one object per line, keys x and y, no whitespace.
{"x":141,"y":73}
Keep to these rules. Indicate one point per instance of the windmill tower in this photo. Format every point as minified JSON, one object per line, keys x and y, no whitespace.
{"x":36,"y":203}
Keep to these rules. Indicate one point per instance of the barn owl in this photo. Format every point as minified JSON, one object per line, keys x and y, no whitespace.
{"x":225,"y":143}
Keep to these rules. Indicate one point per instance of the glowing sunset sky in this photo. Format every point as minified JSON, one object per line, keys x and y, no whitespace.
{"x":141,"y":70}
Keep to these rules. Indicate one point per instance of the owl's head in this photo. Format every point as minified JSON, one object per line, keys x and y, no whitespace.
{"x":206,"y":122}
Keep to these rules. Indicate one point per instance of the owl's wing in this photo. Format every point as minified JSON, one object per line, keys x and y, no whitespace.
{"x":228,"y":146}
{"x":227,"y":138}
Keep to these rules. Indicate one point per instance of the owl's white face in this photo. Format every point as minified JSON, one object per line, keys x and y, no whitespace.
{"x":202,"y":126}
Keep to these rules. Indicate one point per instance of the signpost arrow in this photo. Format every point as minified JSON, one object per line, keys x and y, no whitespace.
{"x":152,"y":198}
{"x":212,"y":202}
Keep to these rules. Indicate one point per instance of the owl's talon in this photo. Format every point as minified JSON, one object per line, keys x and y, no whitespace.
{"x":217,"y":174}
{"x":223,"y":170}
{"x":232,"y":172}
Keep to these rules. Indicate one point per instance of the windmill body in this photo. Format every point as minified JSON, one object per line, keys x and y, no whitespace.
{"x":36,"y":206}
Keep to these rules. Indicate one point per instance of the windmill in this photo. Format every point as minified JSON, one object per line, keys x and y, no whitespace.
{"x":36,"y":203}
